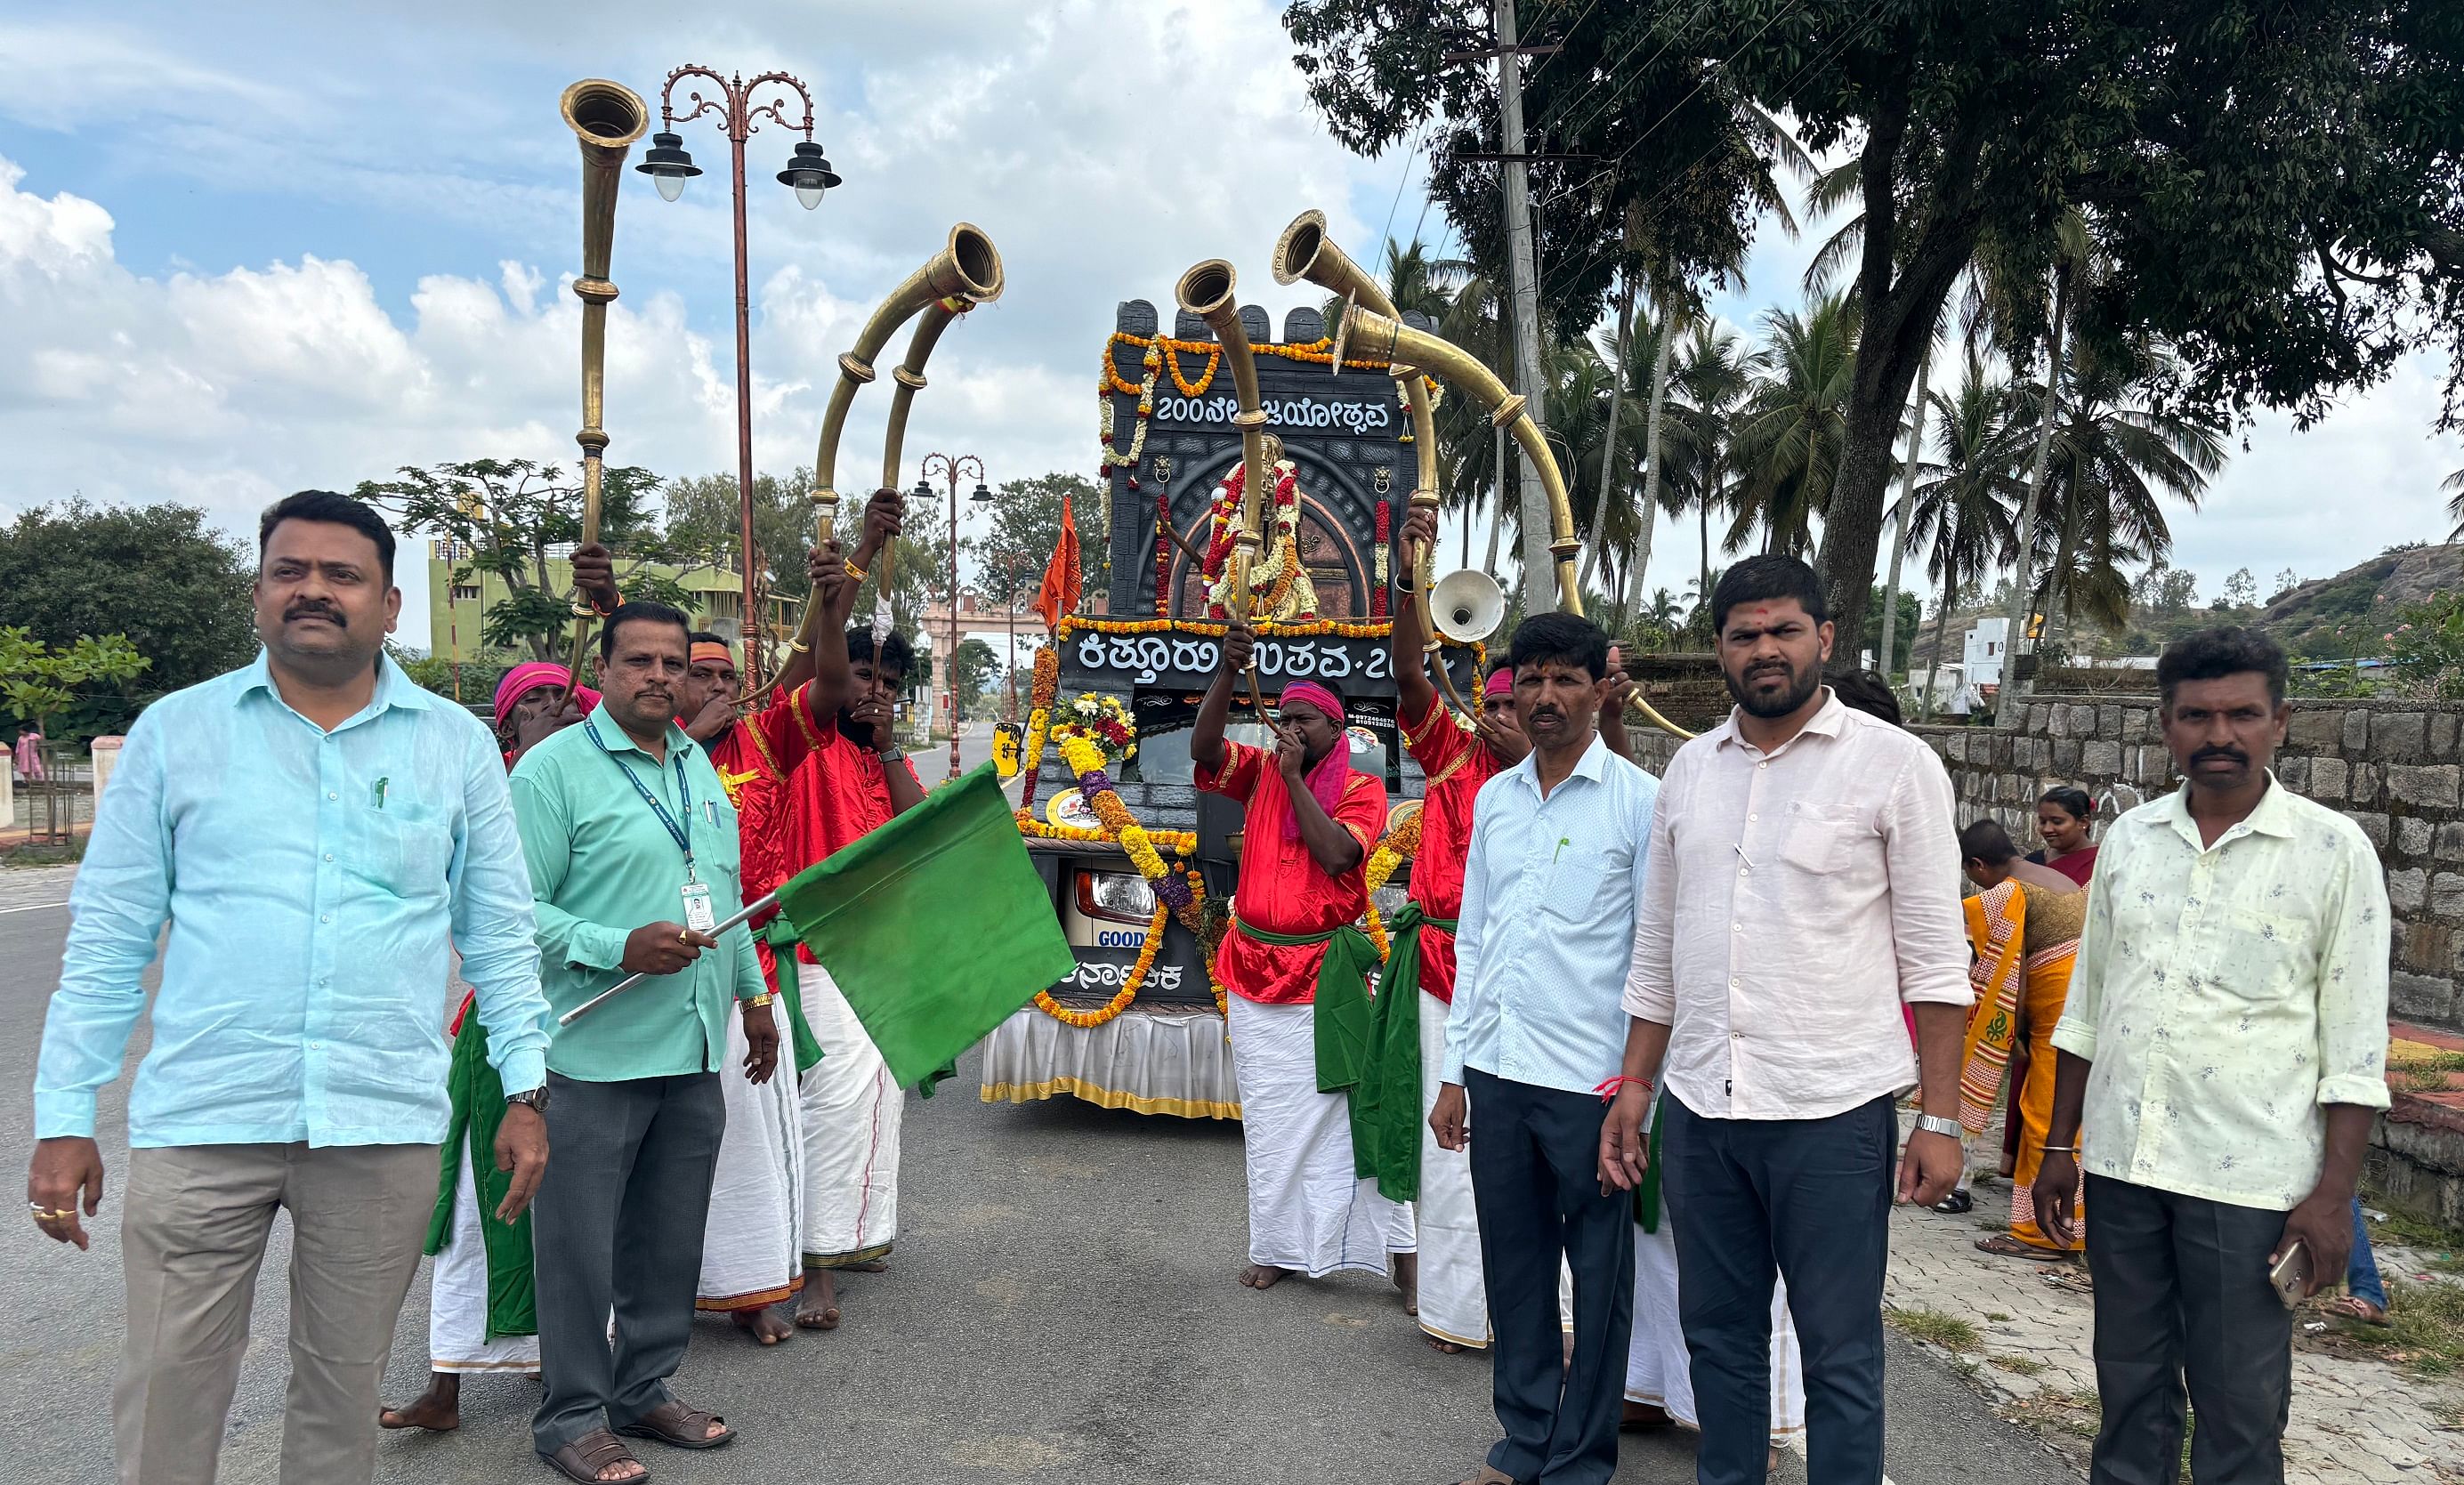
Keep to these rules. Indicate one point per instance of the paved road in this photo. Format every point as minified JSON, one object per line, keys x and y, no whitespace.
{"x":1061,"y":1311}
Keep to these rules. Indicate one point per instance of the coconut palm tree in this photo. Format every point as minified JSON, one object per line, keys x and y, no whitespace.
{"x":2112,"y":460}
{"x":2454,"y":485}
{"x":1787,"y":445}
{"x":1960,"y":514}
{"x":1713,"y":379}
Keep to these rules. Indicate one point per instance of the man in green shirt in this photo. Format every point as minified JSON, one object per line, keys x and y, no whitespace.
{"x":633,"y":859}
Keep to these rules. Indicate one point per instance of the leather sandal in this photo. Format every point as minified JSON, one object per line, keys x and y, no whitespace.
{"x":585,"y":1457}
{"x":680,"y":1426}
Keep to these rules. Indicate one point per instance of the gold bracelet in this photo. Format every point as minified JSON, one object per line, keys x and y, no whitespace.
{"x":855,"y":572}
{"x":758,"y":1001}
{"x":800,"y":648}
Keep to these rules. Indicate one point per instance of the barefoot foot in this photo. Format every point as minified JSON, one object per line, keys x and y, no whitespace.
{"x":818,"y":1309}
{"x":1405,"y":1269}
{"x":438,"y":1410}
{"x":1263,"y":1276}
{"x":1441,"y":1347}
{"x":763,"y":1325}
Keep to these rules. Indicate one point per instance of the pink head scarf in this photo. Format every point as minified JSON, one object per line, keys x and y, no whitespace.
{"x":1327,"y":779}
{"x":528,"y":677}
{"x":1501,"y":683}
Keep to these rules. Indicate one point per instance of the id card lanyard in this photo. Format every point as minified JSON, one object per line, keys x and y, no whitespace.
{"x":699,"y":916}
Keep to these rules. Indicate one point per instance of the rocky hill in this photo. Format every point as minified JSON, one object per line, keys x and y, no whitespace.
{"x":2347,"y":615}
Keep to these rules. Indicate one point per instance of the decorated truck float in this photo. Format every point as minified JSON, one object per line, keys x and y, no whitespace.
{"x":1143,"y":866}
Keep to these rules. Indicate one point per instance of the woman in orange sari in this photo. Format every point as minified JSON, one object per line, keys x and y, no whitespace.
{"x":2024,"y":924}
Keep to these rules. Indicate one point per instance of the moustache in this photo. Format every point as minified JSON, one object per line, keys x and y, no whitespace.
{"x":2229,"y":755}
{"x":325,"y":611}
{"x":1778,"y":667}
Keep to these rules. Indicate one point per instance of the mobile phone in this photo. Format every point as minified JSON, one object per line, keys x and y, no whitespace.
{"x":2291,"y":1274}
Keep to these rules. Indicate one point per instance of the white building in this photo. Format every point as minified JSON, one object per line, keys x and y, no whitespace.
{"x":1983,"y":651}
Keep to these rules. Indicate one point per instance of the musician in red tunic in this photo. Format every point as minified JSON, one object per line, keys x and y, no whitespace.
{"x":1308,"y":827}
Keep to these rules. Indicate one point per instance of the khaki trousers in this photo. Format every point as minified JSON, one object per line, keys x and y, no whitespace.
{"x":192,"y":1235}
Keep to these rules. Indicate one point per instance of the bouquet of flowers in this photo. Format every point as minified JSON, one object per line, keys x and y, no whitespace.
{"x":1101,"y":721}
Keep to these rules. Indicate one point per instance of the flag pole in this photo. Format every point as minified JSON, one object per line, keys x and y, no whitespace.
{"x":753,"y":910}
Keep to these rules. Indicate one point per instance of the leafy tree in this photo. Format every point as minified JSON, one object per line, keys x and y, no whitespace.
{"x":703,"y":515}
{"x":1904,"y":634}
{"x":503,"y":517}
{"x":1026,"y":524}
{"x":2282,"y":187}
{"x":975,"y":670}
{"x":39,"y":681}
{"x":2241,"y":590}
{"x":158,"y":573}
{"x":2164,"y":590}
{"x":2285,"y":582}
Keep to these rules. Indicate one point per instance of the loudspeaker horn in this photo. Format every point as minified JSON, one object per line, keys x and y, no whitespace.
{"x":1467,"y":604}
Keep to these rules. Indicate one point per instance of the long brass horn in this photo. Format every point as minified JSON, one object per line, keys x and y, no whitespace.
{"x":910,"y":377}
{"x":1209,"y":292}
{"x":1304,"y":252}
{"x":1505,"y":410}
{"x":606,"y":118}
{"x":967,"y":272}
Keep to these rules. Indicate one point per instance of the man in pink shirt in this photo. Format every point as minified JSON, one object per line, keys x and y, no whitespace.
{"x":1803,"y":887}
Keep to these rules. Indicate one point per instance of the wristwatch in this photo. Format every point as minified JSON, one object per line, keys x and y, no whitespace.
{"x":535,"y":1098}
{"x":1935,"y":1123}
{"x":892,"y":754}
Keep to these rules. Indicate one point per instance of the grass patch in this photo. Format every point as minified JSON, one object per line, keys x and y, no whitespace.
{"x":2421,"y":1080}
{"x":2017,"y":1365}
{"x":1997,"y":1317}
{"x":1946,"y":1331}
{"x":2424,"y":1335}
{"x":2413,"y":1232}
{"x":2437,"y":1062}
{"x":43,"y":855}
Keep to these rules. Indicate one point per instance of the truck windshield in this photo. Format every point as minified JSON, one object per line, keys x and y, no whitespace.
{"x":1163,"y":753}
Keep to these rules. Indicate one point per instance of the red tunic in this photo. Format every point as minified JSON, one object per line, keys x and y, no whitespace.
{"x":839,"y":796}
{"x":1457,"y":764}
{"x":754,"y":760}
{"x":1283,"y":888}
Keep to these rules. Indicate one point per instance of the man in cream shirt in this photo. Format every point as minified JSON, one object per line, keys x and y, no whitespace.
{"x":2221,"y":1054}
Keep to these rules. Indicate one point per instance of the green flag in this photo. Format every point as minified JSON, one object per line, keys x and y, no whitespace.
{"x":935,"y":926}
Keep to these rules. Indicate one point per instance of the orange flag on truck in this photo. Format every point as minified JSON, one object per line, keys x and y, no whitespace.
{"x":1059,"y":593}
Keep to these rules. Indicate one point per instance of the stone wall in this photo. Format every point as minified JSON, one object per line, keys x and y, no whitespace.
{"x":2396,"y":767}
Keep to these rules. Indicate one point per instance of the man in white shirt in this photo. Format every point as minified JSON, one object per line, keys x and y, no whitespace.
{"x":1804,"y":887}
{"x":1559,"y":845}
{"x":2219,"y":1058}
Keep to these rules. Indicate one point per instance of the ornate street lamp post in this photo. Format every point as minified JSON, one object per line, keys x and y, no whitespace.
{"x":808,"y":173}
{"x":951,"y":468}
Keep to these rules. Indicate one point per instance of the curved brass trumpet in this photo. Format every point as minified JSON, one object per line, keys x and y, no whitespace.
{"x":967,"y":272}
{"x":1304,"y":251}
{"x":1209,"y":291}
{"x":606,"y":118}
{"x":1505,"y":410}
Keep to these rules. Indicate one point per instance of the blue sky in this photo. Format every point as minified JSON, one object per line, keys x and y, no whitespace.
{"x":251,"y":247}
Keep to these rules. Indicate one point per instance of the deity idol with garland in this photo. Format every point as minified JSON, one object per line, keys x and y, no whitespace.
{"x":1278,"y":585}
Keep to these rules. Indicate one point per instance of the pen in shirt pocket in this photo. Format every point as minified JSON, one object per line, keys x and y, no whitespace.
{"x":377,"y":794}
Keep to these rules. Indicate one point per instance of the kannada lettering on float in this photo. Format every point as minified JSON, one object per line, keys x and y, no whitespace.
{"x":1282,"y":412}
{"x":1090,"y":976}
{"x":1150,"y":657}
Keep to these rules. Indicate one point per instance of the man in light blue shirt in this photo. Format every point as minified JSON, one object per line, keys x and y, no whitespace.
{"x":314,"y":830}
{"x":1542,"y":951}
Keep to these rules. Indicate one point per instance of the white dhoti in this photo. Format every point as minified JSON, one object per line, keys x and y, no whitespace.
{"x":850,"y":1117}
{"x":457,"y":1296}
{"x":1308,"y":1211}
{"x":1454,"y":1306}
{"x":753,"y":1238}
{"x":1657,"y":1365}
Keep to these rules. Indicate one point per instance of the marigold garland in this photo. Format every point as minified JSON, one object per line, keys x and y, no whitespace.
{"x":1319,"y":352}
{"x":1089,"y":1020}
{"x":1178,"y":894}
{"x":1047,"y":685}
{"x":1397,"y":846}
{"x":1115,"y":459}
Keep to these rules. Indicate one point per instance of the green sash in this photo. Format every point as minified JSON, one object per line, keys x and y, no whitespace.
{"x":1342,"y":1015}
{"x":1647,"y":1192}
{"x":478,"y":1109}
{"x":783,"y":943}
{"x":1386,"y":1105}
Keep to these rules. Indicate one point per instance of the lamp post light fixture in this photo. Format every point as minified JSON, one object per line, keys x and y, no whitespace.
{"x":669,"y":165}
{"x":952,"y":468}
